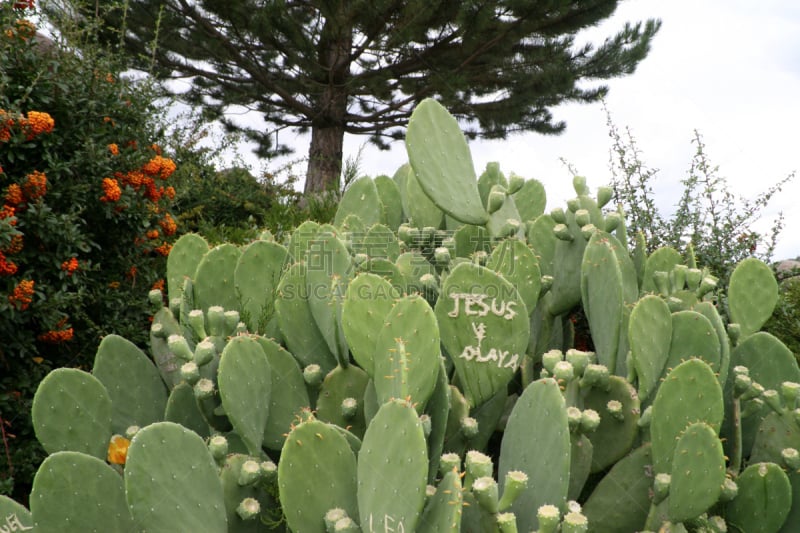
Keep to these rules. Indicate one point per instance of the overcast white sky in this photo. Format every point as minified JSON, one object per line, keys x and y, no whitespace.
{"x":727,"y":68}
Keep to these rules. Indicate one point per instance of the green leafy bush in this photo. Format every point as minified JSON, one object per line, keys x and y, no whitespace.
{"x":85,"y":224}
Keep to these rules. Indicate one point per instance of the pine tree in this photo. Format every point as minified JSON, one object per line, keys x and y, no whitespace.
{"x":360,"y":66}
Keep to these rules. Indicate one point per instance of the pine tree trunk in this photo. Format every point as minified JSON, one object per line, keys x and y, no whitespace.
{"x":324,"y":158}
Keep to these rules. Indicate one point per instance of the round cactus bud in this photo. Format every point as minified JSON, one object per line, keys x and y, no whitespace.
{"x":180,"y":347}
{"x":729,"y":490}
{"x":741,"y":384}
{"x":549,"y":516}
{"x":595,"y":376}
{"x":661,"y":281}
{"x":514,"y":483}
{"x":360,"y":259}
{"x":734,"y":332}
{"x":485,"y":491}
{"x":574,"y":523}
{"x":190,"y":373}
{"x":661,"y":487}
{"x":573,"y":204}
{"x":204,"y":352}
{"x":495,"y":201}
{"x":755,"y":391}
{"x":430,"y":492}
{"x":676,"y":304}
{"x":131,"y":432}
{"x":563,"y":233}
{"x":232,"y":320}
{"x":175,"y":306}
{"x":480,"y":257}
{"x":574,"y":507}
{"x":158,"y":331}
{"x":604,"y":195}
{"x":582,"y":217}
{"x":579,"y":184}
{"x":752,"y":406}
{"x":349,"y":408}
{"x":588,"y":230}
{"x":547,"y":283}
{"x":551,"y":358}
{"x":679,"y":277}
{"x":791,"y":457}
{"x":717,"y":524}
{"x":428,"y":234}
{"x":573,"y":418}
{"x":156,"y":298}
{"x":790,"y":391}
{"x":197,"y":322}
{"x":558,"y":216}
{"x":578,"y":359}
{"x":248,"y":509}
{"x":469,"y":427}
{"x":216,"y":321}
{"x":515,"y":183}
{"x":250,"y":473}
{"x":404,"y":233}
{"x":509,"y":228}
{"x":612,"y":222}
{"x":741,"y":370}
{"x":269,"y":471}
{"x":590,"y":420}
{"x":429,"y":283}
{"x":693,"y":278}
{"x":477,"y":465}
{"x":563,"y":371}
{"x":204,"y":389}
{"x":773,"y":400}
{"x":333,"y":516}
{"x":425,"y":420}
{"x":313,"y":375}
{"x":448,"y":462}
{"x":442,"y":256}
{"x":506,"y":523}
{"x":614,"y":408}
{"x":346,"y":525}
{"x":218,"y":446}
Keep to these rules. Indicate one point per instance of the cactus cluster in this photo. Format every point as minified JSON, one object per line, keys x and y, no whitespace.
{"x":414,"y":367}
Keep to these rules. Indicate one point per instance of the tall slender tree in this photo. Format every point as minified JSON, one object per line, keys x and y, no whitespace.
{"x":360,"y":66}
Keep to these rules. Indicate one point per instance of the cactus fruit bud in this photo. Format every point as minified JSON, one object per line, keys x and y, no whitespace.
{"x":269,"y":471}
{"x":547,"y":283}
{"x":333,"y":516}
{"x":772,"y":399}
{"x":563,"y":371}
{"x":558,"y":216}
{"x":604,"y":195}
{"x":612,"y":222}
{"x":346,"y":525}
{"x":752,"y":407}
{"x":190,"y":373}
{"x":248,"y":509}
{"x":579,"y":360}
{"x":574,"y":507}
{"x":562,"y":233}
{"x":679,"y":273}
{"x":595,"y":376}
{"x":218,"y":446}
{"x":574,"y":523}
{"x":428,"y":235}
{"x":573,"y":418}
{"x":510,"y":228}
{"x":477,"y":466}
{"x":198,"y":323}
{"x":755,"y":391}
{"x":734,"y":332}
{"x":442,"y":256}
{"x":156,"y":298}
{"x":590,"y":420}
{"x":551,"y":358}
{"x":175,"y":306}
{"x":204,"y":352}
{"x":429,"y":284}
{"x":588,"y":230}
{"x":717,"y":524}
{"x":573,"y":204}
{"x":614,"y":408}
{"x":514,"y":484}
{"x":582,"y":217}
{"x":349,"y":408}
{"x":448,"y":462}
{"x":729,"y":490}
{"x":180,"y":347}
{"x":430,"y":491}
{"x":231,"y":320}
{"x":469,"y":427}
{"x":515,"y":183}
{"x":425,"y":420}
{"x":216,"y":321}
{"x":486,"y":492}
{"x":579,"y":184}
{"x":661,"y":280}
{"x":549,"y":516}
{"x":158,"y":331}
{"x":791,"y":457}
{"x":249,"y":474}
{"x":790,"y":392}
{"x":240,"y":329}
{"x":313,"y":375}
{"x":740,"y":369}
{"x":506,"y":523}
{"x":661,"y":487}
{"x":404,"y":233}
{"x":204,"y":389}
{"x":741,"y":384}
{"x":495,"y":201}
{"x":675,"y":304}
{"x":693,"y":278}
{"x":708,"y":284}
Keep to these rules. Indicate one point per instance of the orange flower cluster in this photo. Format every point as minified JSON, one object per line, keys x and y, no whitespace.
{"x":70,"y":266}
{"x":118,"y":450}
{"x":6,"y":123}
{"x":158,"y":285}
{"x":57,"y":336}
{"x":22,"y":295}
{"x":113,"y":148}
{"x":7,"y":267}
{"x":168,"y":224}
{"x":15,"y":246}
{"x":37,"y":123}
{"x":159,"y":166}
{"x":14,"y":195}
{"x":152,"y":234}
{"x":111,"y":190}
{"x":35,"y":185}
{"x":163,"y":249}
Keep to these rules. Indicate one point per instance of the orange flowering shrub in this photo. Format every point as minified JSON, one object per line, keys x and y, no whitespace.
{"x":22,"y":295}
{"x":111,"y":190}
{"x":70,"y":266}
